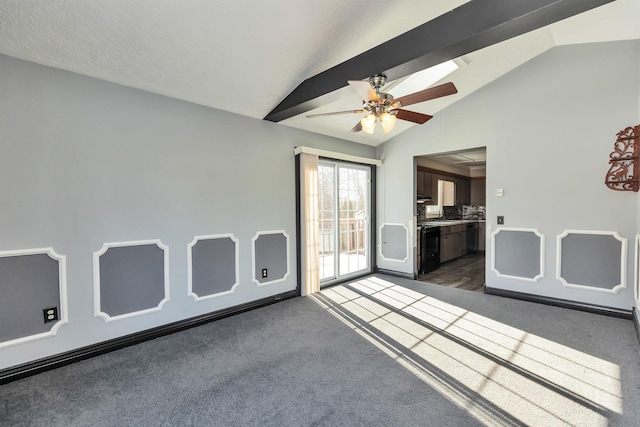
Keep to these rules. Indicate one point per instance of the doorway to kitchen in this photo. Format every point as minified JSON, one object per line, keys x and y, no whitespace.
{"x":344,"y":202}
{"x":466,"y":272}
{"x":450,"y":213}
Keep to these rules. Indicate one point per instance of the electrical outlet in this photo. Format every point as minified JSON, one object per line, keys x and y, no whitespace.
{"x":264,"y":273}
{"x":50,"y":314}
{"x":500,"y":220}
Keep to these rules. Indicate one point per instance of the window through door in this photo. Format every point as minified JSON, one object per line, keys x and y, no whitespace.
{"x":344,"y":199}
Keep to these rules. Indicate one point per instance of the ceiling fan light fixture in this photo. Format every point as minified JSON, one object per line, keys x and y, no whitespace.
{"x":384,"y":108}
{"x":388,"y":121}
{"x":368,"y":123}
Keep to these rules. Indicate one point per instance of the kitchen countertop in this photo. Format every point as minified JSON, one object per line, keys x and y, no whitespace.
{"x":440,"y":223}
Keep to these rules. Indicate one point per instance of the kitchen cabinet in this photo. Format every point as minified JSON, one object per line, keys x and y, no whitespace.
{"x":456,"y":193}
{"x":420,"y":183}
{"x":478,"y":191}
{"x":435,"y":188}
{"x":446,"y":247}
{"x":428,"y":188}
{"x":463,"y":191}
{"x":481,"y":236}
{"x":424,"y":186}
{"x":453,"y":242}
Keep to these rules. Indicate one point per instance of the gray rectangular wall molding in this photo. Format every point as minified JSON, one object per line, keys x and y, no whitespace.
{"x":213,"y":265}
{"x":28,"y":284}
{"x":394,"y":242}
{"x":518,"y":254}
{"x":592,"y":260}
{"x":271,"y":252}
{"x":130,"y":278}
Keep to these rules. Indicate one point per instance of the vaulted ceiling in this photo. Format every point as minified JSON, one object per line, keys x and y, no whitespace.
{"x":247,"y":56}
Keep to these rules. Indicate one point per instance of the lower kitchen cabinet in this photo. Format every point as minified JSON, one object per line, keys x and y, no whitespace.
{"x":446,"y":247}
{"x":453,"y":242}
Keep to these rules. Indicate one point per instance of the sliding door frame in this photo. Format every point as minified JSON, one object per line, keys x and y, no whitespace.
{"x":372,"y":222}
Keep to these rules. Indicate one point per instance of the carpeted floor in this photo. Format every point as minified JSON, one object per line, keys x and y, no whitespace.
{"x":381,"y":351}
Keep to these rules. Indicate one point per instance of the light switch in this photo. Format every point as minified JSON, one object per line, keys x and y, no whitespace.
{"x":499,"y":192}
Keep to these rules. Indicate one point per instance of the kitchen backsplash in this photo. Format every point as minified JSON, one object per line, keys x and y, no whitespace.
{"x":451,"y":212}
{"x":454,"y":212}
{"x":473,"y":212}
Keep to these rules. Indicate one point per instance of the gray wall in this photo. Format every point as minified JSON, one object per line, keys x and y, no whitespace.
{"x":549,"y":126}
{"x":86,"y":162}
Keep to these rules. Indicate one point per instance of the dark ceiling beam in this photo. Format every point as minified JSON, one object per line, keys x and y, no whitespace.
{"x":472,"y":26}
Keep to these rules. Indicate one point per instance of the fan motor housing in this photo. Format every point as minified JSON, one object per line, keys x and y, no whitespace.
{"x":382,"y":105}
{"x":378,"y":81}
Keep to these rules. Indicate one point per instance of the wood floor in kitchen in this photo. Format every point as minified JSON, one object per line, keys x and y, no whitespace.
{"x":466,"y":272}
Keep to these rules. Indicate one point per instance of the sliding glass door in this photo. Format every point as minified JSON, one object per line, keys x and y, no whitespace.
{"x":344,"y":217}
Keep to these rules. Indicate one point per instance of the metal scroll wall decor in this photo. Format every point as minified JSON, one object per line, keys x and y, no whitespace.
{"x":623,"y":173}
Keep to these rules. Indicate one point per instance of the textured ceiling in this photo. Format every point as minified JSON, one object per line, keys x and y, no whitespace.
{"x":245,"y":56}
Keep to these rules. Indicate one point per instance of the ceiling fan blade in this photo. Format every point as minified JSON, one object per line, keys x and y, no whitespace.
{"x":335,"y":113}
{"x":364,"y":89}
{"x":427,"y":94}
{"x":412,"y":116}
{"x":356,"y":128}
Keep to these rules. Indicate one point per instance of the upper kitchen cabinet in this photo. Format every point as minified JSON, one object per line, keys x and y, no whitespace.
{"x":419,"y":183}
{"x":424,"y":186}
{"x":478,"y":191}
{"x":463,"y":191}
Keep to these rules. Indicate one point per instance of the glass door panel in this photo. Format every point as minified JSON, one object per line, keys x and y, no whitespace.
{"x":353,"y":216}
{"x":326,"y":206}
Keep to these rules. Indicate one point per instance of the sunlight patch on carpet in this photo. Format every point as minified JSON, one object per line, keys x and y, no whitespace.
{"x":500,"y":374}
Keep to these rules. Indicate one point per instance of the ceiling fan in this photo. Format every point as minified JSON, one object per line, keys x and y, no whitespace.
{"x":384,"y":108}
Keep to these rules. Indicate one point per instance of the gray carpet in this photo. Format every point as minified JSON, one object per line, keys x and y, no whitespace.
{"x":362,"y":354}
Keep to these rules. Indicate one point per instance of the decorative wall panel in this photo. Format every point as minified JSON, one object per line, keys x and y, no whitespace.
{"x":593,"y":260}
{"x":270,"y":257}
{"x":518,"y":253}
{"x":30,"y":281}
{"x":130,"y":279}
{"x":623,"y":174}
{"x":394,"y":239}
{"x":213,"y":266}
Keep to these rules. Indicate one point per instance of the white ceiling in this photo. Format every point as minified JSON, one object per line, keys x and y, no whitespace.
{"x":245,"y":56}
{"x":468,"y":159}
